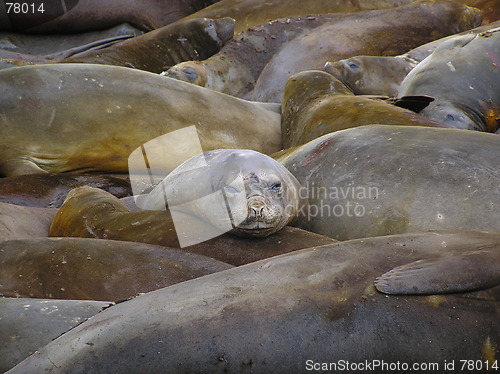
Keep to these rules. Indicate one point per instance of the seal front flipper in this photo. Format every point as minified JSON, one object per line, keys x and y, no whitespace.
{"x":20,"y":166}
{"x":457,"y":273}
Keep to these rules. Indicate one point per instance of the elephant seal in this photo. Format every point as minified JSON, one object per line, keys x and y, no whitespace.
{"x":94,"y":269}
{"x":380,"y":180}
{"x":474,"y":62}
{"x":372,"y":75}
{"x":85,"y":117}
{"x":236,"y":67}
{"x":233,"y":190}
{"x":290,"y":313}
{"x":382,"y":75}
{"x":400,"y":29}
{"x":72,"y":16}
{"x":251,"y":13}
{"x":93,"y":213}
{"x":158,"y":50}
{"x":154,"y":51}
{"x":315,"y":103}
{"x":29,"y":324}
{"x":50,"y":190}
{"x":53,"y":43}
{"x":21,"y":222}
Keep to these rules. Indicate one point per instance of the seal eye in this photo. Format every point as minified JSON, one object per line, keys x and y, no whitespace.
{"x":450,"y":117}
{"x":353,"y":65}
{"x":276,"y":187}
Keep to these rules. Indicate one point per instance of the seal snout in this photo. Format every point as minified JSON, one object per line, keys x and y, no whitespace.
{"x":256,"y":209}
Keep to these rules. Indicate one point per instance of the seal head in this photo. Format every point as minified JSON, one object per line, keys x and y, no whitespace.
{"x":241,"y":191}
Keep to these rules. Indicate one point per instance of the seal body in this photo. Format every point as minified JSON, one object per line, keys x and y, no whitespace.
{"x":93,"y":213}
{"x":32,"y":323}
{"x":381,"y":33}
{"x":237,"y":66}
{"x":157,"y":50}
{"x":379,"y":180}
{"x":316,"y":103}
{"x":472,"y":63}
{"x":72,"y":16}
{"x":85,"y":117}
{"x":312,"y":306}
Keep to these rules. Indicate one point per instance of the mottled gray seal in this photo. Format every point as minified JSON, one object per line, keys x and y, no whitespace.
{"x":290,"y":312}
{"x":236,"y":190}
{"x":462,"y":76}
{"x":380,"y":180}
{"x":29,"y":324}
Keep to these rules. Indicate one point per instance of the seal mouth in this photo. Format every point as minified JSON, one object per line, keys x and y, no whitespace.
{"x":253,"y":231}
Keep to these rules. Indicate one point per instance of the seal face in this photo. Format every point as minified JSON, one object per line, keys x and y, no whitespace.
{"x":241,"y":191}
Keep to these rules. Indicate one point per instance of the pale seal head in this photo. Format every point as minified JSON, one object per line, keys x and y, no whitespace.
{"x":239,"y":191}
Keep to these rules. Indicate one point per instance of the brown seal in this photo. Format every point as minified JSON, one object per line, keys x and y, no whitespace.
{"x":72,"y":16}
{"x":315,"y":103}
{"x":297,"y":311}
{"x":94,"y":269}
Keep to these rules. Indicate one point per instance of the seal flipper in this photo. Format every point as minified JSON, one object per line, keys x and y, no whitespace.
{"x":456,"y":273}
{"x":415,"y":103}
{"x":20,"y":166}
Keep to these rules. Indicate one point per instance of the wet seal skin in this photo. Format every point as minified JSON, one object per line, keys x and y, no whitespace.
{"x":380,"y":180}
{"x":319,"y":304}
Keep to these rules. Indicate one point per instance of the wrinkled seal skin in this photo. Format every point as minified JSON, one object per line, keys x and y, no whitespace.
{"x":94,"y":269}
{"x":251,"y":13}
{"x":50,"y":190}
{"x":382,"y":75}
{"x":235,"y":69}
{"x":29,"y":324}
{"x":261,"y":195}
{"x":316,"y":103}
{"x":85,"y":117}
{"x":93,"y":213}
{"x":462,"y":75}
{"x":72,"y":16}
{"x":158,"y":50}
{"x":398,"y":179}
{"x":317,"y":304}
{"x":381,"y":33}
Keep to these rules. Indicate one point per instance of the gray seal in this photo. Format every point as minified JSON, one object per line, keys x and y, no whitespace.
{"x":244,"y":191}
